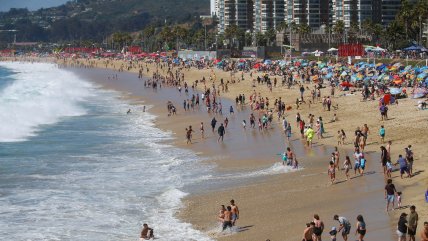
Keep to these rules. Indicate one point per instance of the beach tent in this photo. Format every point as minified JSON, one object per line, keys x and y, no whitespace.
{"x":416,"y":48}
{"x":268,"y":62}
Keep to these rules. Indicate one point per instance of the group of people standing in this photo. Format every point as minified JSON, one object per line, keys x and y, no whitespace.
{"x":315,"y":229}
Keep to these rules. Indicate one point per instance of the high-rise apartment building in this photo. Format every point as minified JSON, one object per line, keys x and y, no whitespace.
{"x":235,"y":12}
{"x":261,"y":15}
{"x":314,"y":13}
{"x":268,"y":14}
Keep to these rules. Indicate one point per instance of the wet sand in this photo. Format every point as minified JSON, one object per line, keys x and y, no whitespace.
{"x":276,"y":206}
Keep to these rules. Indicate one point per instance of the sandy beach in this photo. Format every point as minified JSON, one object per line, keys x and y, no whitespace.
{"x":277,"y":206}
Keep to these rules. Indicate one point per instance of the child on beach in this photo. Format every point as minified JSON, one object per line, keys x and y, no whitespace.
{"x":295,"y":164}
{"x":332,"y":172}
{"x":339,"y":138}
{"x":343,"y":136}
{"x":362,"y":164}
{"x":333,"y":234}
{"x":284,"y":159}
{"x":388,"y":168}
{"x":399,"y":199}
{"x":382,"y":134}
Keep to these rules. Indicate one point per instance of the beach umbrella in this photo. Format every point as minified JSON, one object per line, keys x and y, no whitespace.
{"x":346,"y":84}
{"x":328,"y":76}
{"x":344,"y":73}
{"x":395,"y":91}
{"x":332,"y":50}
{"x":314,"y":78}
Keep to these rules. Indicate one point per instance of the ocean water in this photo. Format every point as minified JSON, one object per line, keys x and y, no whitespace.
{"x":75,"y":166}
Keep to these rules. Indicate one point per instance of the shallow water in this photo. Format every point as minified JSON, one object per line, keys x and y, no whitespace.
{"x":75,"y":166}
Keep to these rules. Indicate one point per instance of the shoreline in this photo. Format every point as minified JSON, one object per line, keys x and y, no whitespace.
{"x":410,"y":189}
{"x":312,"y":177}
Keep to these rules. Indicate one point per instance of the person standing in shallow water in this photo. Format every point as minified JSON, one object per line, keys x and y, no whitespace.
{"x":221,"y":131}
{"x":235,"y":212}
{"x":360,"y":228}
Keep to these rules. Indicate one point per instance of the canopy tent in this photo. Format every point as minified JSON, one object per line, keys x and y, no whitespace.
{"x":416,"y":48}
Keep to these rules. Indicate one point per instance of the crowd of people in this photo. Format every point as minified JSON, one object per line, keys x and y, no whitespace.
{"x":262,"y":117}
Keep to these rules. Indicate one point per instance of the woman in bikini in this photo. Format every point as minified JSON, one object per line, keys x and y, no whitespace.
{"x":332,"y":172}
{"x":347,"y":166}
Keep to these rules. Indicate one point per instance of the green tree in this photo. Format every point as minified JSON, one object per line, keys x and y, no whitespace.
{"x":339,"y":27}
{"x":270,"y":36}
{"x":122,"y":39}
{"x":304,"y":28}
{"x":282,"y":26}
{"x":260,"y":39}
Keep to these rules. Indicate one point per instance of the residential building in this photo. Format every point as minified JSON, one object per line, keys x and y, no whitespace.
{"x":238,"y":12}
{"x":268,"y":14}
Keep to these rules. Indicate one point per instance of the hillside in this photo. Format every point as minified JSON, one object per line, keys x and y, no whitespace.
{"x":96,"y":19}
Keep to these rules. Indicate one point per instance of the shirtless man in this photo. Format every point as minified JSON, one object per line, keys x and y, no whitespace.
{"x":227,"y":220}
{"x":308,"y":232}
{"x":221,"y":213}
{"x":146,"y":233}
{"x":235,"y":212}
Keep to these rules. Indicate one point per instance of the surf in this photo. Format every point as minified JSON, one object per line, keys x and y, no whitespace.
{"x":38,"y":95}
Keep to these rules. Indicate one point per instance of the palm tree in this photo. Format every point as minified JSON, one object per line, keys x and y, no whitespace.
{"x":270,"y":36}
{"x":282,"y":26}
{"x":231,"y":32}
{"x":294,"y":27}
{"x":421,"y":12}
{"x":339,"y":27}
{"x":304,"y":28}
{"x":405,"y":16}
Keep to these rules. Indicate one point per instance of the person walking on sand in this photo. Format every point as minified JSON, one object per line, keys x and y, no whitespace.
{"x":318,"y":227}
{"x":383,"y":158}
{"x":345,"y":226}
{"x":347,"y":166}
{"x":403,"y":166}
{"x":235,"y":212}
{"x":336,"y":158}
{"x":390,"y":193}
{"x":382,"y":134}
{"x":360,"y":228}
{"x":413,"y":223}
{"x":402,"y":227}
{"x":221,"y":131}
{"x":332,"y":172}
{"x":409,"y":159}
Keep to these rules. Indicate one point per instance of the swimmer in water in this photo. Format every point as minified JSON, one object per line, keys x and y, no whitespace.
{"x":129,"y":111}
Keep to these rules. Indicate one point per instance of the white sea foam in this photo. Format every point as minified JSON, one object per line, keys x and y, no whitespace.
{"x":40,"y":94}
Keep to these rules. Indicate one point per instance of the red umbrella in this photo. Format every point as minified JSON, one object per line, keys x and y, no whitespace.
{"x":346,"y":84}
